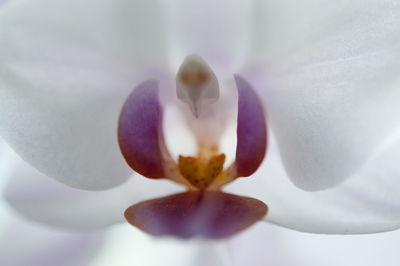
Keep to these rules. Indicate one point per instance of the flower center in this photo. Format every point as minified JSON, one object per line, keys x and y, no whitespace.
{"x":199,"y":172}
{"x":203,"y":210}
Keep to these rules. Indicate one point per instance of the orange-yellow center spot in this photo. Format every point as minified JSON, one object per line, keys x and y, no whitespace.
{"x":201,"y":173}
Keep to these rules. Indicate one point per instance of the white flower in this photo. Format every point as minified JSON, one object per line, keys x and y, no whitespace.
{"x":327,"y":72}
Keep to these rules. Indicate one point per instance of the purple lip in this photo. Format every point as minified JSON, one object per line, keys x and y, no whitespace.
{"x":209,"y":214}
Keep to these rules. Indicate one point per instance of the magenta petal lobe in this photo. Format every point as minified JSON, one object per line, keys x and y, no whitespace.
{"x":140,"y":131}
{"x":209,"y":214}
{"x":251,"y":130}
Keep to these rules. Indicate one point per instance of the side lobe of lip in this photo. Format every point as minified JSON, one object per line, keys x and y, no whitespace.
{"x":251,"y":130}
{"x":140,"y":131}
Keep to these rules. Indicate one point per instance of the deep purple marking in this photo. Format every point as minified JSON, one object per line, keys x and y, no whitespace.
{"x":251,"y":130}
{"x":209,"y":214}
{"x":140,"y":131}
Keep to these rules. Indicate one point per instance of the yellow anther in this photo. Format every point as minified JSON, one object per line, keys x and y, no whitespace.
{"x":201,"y":173}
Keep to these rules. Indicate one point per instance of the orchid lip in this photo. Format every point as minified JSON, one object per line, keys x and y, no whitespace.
{"x":143,"y":146}
{"x":208,"y":214}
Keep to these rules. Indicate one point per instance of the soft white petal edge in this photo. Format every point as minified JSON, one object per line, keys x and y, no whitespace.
{"x":63,"y":80}
{"x":2,"y":2}
{"x":218,"y":31}
{"x":23,"y":243}
{"x":39,"y":198}
{"x":271,"y":245}
{"x":369,"y":202}
{"x":137,"y":248}
{"x":329,"y":74}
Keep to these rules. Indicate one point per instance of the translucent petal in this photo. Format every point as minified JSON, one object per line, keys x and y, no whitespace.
{"x":218,"y":31}
{"x":44,"y":200}
{"x":329,"y":74}
{"x":366,"y":203}
{"x":24,"y":243}
{"x":271,"y":245}
{"x":127,"y":246}
{"x":64,"y":79}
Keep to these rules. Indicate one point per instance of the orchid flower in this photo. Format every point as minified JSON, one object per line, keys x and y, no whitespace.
{"x":84,"y":86}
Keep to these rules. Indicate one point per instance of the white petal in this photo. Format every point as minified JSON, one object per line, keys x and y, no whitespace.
{"x":128,"y":246}
{"x":212,"y":254}
{"x":44,"y":200}
{"x":216,"y":30}
{"x":23,"y":243}
{"x":64,"y":78}
{"x":8,"y":162}
{"x":267,"y":247}
{"x":272,"y":245}
{"x":368,"y":202}
{"x":331,"y":84}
